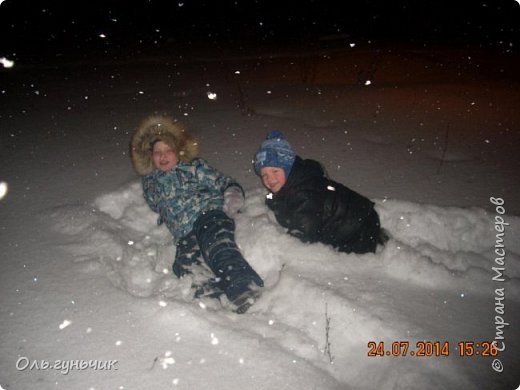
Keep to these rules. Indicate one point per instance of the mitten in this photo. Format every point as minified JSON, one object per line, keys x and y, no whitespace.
{"x":233,"y":200}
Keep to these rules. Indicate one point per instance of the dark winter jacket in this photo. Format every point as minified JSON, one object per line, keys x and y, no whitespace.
{"x":317,"y":209}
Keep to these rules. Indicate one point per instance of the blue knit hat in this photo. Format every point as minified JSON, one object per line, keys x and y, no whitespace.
{"x":275,"y":151}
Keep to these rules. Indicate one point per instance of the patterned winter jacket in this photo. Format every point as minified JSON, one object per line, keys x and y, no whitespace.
{"x":180,"y":195}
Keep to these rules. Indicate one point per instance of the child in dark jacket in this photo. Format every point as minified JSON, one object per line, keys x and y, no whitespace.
{"x":310,"y":205}
{"x":194,"y":200}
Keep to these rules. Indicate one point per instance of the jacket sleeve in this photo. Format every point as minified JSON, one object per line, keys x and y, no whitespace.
{"x":150,"y":192}
{"x":151,"y":195}
{"x":212,"y":177}
{"x":303,"y":214}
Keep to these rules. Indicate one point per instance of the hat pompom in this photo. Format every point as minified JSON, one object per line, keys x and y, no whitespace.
{"x":276,"y":134}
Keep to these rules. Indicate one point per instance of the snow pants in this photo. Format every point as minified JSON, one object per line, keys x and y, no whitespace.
{"x":213,"y":239}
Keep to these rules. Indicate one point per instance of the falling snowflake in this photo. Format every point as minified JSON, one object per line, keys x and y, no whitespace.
{"x":64,"y":324}
{"x":5,"y":62}
{"x":3,"y":189}
{"x":167,"y":360}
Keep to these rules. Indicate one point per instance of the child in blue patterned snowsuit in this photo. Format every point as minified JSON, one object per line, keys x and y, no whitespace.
{"x":194,"y":200}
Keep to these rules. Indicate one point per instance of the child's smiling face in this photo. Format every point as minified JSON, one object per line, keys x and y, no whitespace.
{"x":273,"y":178}
{"x":164,"y":157}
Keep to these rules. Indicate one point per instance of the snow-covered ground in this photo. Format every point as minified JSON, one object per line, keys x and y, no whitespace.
{"x":430,"y":134}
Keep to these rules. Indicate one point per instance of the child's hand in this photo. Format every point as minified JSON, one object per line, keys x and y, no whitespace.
{"x":233,"y":200}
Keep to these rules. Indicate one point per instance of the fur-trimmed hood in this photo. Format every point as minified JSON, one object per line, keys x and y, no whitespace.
{"x":165,"y":129}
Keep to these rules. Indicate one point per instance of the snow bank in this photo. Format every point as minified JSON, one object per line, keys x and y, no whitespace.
{"x":448,"y":245}
{"x":319,"y":306}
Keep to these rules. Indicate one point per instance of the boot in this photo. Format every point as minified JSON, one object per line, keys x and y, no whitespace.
{"x":215,"y":233}
{"x":187,"y":255}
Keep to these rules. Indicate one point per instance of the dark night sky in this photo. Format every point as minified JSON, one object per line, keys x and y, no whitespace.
{"x":29,"y":26}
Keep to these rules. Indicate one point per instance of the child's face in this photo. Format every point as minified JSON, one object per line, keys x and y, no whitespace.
{"x":164,"y":157}
{"x":273,"y":178}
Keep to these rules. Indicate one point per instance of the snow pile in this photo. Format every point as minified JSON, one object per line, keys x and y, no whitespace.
{"x":120,"y":232}
{"x":319,"y":306}
{"x":450,"y":245}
